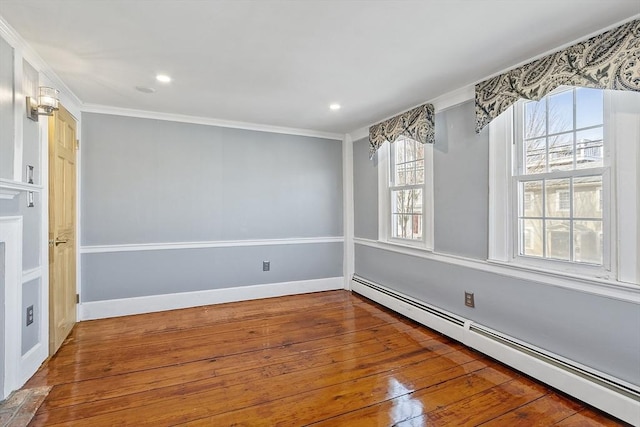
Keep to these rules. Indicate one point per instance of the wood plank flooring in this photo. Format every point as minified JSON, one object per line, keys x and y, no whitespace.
{"x":323,"y":359}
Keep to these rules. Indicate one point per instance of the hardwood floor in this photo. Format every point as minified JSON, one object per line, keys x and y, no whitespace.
{"x":323,"y":359}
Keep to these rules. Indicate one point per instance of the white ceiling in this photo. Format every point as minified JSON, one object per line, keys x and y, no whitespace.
{"x":282,"y":63}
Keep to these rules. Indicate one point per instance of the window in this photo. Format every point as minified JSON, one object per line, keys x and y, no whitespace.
{"x":560,"y":166}
{"x":406,"y":186}
{"x":405,"y":192}
{"x":564,"y":184}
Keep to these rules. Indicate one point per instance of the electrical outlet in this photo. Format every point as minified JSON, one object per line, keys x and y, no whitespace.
{"x":29,"y":315}
{"x":469,"y":300}
{"x":266,"y":265}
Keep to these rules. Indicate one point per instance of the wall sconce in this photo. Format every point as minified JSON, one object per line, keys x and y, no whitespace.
{"x":46,"y":103}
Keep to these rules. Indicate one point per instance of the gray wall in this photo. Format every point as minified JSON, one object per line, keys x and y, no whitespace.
{"x":461,"y":184}
{"x":365,"y":194}
{"x":595,"y":331}
{"x":157,"y":181}
{"x":143,"y":273}
{"x":30,"y":296}
{"x":151,"y":181}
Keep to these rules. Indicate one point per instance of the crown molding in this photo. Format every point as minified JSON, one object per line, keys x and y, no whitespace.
{"x":358,"y":134}
{"x":207,"y":121}
{"x":440,"y":103}
{"x":32,"y":57}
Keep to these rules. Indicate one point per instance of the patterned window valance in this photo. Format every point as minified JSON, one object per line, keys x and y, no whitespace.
{"x":610,"y":60}
{"x":416,"y":124}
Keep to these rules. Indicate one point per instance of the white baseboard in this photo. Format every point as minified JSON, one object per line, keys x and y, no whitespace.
{"x":30,"y":362}
{"x":617,"y":404}
{"x":149,"y":304}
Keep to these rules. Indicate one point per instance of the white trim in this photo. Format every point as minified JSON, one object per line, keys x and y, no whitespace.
{"x":358,"y":134}
{"x":127,"y":112}
{"x":500,"y":222}
{"x":428,"y":199}
{"x":18,"y":43}
{"x":153,"y":303}
{"x":32,"y":274}
{"x":626,"y":138}
{"x":11,"y":235}
{"x":19,"y":185}
{"x":617,"y":404}
{"x":384,"y":198}
{"x":31,"y":361}
{"x":453,"y":98}
{"x":600,"y":287}
{"x":134,"y":247}
{"x":8,"y":194}
{"x":43,"y":327}
{"x":348,"y":263}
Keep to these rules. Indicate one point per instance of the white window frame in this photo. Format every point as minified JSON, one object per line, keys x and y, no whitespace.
{"x":385,"y":203}
{"x":620,"y":219}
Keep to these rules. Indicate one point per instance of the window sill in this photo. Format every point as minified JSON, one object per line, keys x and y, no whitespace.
{"x":601,"y":287}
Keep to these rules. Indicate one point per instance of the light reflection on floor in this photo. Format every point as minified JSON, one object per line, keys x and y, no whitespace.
{"x":405,"y":407}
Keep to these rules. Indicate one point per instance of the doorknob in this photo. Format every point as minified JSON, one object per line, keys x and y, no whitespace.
{"x":60,"y":241}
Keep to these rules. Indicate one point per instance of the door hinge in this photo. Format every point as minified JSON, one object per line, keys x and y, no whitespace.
{"x":77,"y":298}
{"x":77,"y":144}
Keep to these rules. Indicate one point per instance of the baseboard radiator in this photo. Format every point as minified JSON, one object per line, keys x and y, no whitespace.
{"x":612,"y":395}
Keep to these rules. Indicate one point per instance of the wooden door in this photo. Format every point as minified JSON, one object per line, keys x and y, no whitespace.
{"x":62,"y":227}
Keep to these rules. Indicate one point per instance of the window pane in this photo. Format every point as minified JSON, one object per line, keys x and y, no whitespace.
{"x":561,"y":112}
{"x":587,"y":241}
{"x":411,"y":173}
{"x":531,"y":237}
{"x":589,"y":107}
{"x":401,"y":175}
{"x":587,"y":197}
{"x":531,"y":198}
{"x":535,"y":118}
{"x":589,"y":148}
{"x":410,"y":149}
{"x":558,"y":239}
{"x":561,"y":152}
{"x":398,"y":147}
{"x":416,"y":197}
{"x":536,"y":156}
{"x":407,"y":213}
{"x":558,"y":198}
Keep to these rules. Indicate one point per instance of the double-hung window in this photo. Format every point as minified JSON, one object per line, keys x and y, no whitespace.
{"x":559,"y":174}
{"x":564,"y":184}
{"x":405,"y":192}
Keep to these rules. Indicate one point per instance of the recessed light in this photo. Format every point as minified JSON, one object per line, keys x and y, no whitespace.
{"x":145,"y":89}
{"x":163,"y":78}
{"x":334,"y":107}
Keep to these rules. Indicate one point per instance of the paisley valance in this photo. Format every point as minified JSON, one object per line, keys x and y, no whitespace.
{"x":417,"y":124}
{"x":610,"y":60}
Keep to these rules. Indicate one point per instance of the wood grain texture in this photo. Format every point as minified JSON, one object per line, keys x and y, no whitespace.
{"x":324,"y":359}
